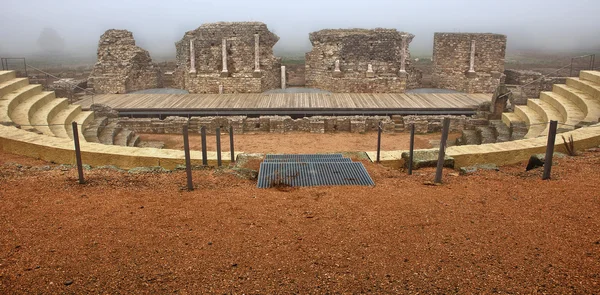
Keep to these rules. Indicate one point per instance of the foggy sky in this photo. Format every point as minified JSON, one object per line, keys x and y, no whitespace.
{"x":552,"y":25}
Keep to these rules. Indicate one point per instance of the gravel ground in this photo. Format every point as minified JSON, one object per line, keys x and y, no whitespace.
{"x":489,"y":232}
{"x":302,"y":142}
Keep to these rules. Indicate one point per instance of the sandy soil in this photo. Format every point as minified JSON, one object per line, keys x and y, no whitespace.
{"x":298,"y":143}
{"x":491,"y":232}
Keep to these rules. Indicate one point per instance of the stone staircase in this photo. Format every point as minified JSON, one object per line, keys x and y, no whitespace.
{"x":574,"y":105}
{"x":30,"y":108}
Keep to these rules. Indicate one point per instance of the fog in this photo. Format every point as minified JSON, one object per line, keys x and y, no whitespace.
{"x":540,"y":25}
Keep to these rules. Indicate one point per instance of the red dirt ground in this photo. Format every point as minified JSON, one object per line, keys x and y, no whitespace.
{"x":491,"y":232}
{"x":298,"y":143}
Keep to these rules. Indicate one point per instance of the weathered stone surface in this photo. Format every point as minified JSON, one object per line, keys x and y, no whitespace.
{"x":285,"y":124}
{"x":532,"y":82}
{"x":426,"y":158}
{"x":122,"y":66}
{"x":352,"y":51}
{"x":239,"y":73}
{"x":452,"y":58}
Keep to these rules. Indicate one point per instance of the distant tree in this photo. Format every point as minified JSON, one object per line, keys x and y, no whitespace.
{"x":50,"y":41}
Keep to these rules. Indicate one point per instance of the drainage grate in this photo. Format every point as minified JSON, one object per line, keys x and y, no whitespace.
{"x":304,"y":157}
{"x":312,"y":174}
{"x":304,"y":160}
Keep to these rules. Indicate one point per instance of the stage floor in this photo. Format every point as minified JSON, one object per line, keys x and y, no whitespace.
{"x":290,"y":103}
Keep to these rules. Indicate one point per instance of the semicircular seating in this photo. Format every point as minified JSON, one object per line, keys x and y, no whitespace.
{"x":29,"y":107}
{"x":574,"y":104}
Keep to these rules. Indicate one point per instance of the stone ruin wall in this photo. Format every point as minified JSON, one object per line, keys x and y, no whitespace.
{"x":386,"y":50}
{"x":122,"y":66}
{"x":534,"y":82}
{"x":456,"y":66}
{"x":200,"y":59}
{"x":285,"y":124}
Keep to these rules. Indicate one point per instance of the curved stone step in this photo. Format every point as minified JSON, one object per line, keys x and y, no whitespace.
{"x":42,"y":117}
{"x":83,"y":119}
{"x":502,"y":131}
{"x":134,"y":141}
{"x":94,"y":128}
{"x":107,"y":135}
{"x":7,"y":75}
{"x":548,"y":113}
{"x":24,"y":111}
{"x":535,"y":122}
{"x":591,"y":88}
{"x":588,"y":105}
{"x":486,"y":134}
{"x":510,"y":119}
{"x":571,"y":113}
{"x":11,"y":85}
{"x":468,"y":137}
{"x":593,"y":76}
{"x":10,"y":101}
{"x":60,"y":124}
{"x":123,"y":137}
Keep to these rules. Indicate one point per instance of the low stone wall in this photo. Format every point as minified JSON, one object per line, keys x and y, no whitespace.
{"x":524,"y":77}
{"x":285,"y":124}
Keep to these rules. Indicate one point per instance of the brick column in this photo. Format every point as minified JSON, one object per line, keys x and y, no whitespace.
{"x":192,"y":57}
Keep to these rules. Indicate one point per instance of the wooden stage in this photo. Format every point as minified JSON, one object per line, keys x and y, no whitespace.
{"x":289,"y":103}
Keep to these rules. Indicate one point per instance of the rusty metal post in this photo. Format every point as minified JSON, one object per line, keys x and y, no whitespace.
{"x":218,"y":131}
{"x":550,"y":150}
{"x":379,"y":143}
{"x":78,"y":153}
{"x":188,"y":162}
{"x":412,"y":148}
{"x":231,"y":151}
{"x":442,"y":153}
{"x":203,"y":139}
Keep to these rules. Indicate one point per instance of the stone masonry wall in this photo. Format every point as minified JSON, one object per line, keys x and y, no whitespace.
{"x":285,"y":124}
{"x":122,"y":66}
{"x":203,"y":71}
{"x":354,"y":50}
{"x":534,"y":81}
{"x":452,"y":61}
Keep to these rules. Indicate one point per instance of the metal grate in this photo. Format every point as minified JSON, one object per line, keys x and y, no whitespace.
{"x":313,"y":174}
{"x":303,"y":160}
{"x":303,"y":157}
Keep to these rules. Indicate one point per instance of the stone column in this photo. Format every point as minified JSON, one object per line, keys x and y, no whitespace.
{"x":370,"y":73}
{"x":472,"y":58}
{"x":257,"y":72}
{"x":225,"y":72}
{"x":283,"y":79}
{"x":403,"y":56}
{"x":192,"y":57}
{"x":337,"y":73}
{"x":220,"y":88}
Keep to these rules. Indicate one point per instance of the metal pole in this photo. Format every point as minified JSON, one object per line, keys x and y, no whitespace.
{"x":379,"y":143}
{"x":550,"y":150}
{"x":442,"y":154}
{"x":412,"y":148}
{"x":218,"y":147}
{"x":231,"y":151}
{"x":203,"y":138}
{"x":78,"y":153}
{"x":188,"y":162}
